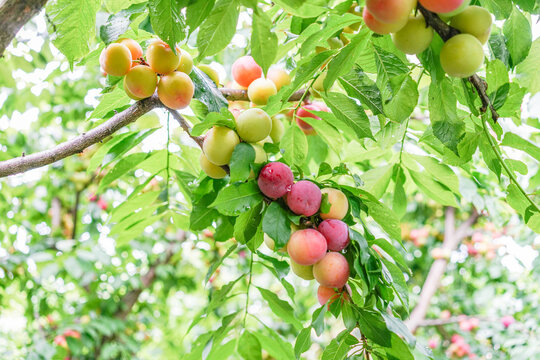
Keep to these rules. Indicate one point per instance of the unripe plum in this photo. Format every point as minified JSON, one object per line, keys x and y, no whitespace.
{"x":161,"y":57}
{"x":415,"y":37}
{"x":212,"y":170}
{"x":186,"y":62}
{"x":303,"y":271}
{"x":326,"y":295}
{"x":219,"y":144}
{"x":462,"y":55}
{"x":332,"y":270}
{"x":140,"y":82}
{"x":279,"y":77}
{"x":334,"y":43}
{"x":275,"y":180}
{"x":260,"y":154}
{"x":115,"y":59}
{"x":304,"y":198}
{"x":390,"y":11}
{"x":379,"y":27}
{"x":176,"y":90}
{"x":318,"y":84}
{"x":442,"y":6}
{"x":474,"y":20}
{"x":253,"y":125}
{"x":306,"y":247}
{"x":260,"y":90}
{"x":277,"y":130}
{"x":212,"y":74}
{"x":134,"y":48}
{"x":336,"y":233}
{"x":339,"y":205}
{"x":245,"y":70}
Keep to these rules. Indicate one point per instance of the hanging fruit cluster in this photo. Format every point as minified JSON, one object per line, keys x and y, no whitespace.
{"x":461,"y":55}
{"x":314,"y":250}
{"x":164,"y":69}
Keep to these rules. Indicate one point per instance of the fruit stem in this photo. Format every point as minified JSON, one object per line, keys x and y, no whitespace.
{"x":248,"y":287}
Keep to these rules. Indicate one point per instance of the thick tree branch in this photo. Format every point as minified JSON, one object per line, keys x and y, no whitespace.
{"x":452,"y":238}
{"x":13,"y":15}
{"x":445,"y":31}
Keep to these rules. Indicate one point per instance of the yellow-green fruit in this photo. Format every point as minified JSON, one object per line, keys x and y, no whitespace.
{"x":161,"y":57}
{"x":277,"y":130}
{"x":414,"y":37}
{"x":318,"y":84}
{"x":339,"y":204}
{"x":260,"y":90}
{"x":279,"y":77}
{"x":334,"y":43}
{"x":462,"y":56}
{"x":140,"y":82}
{"x":253,"y":125}
{"x":186,"y":62}
{"x":212,"y":74}
{"x":115,"y":59}
{"x":212,"y":170}
{"x":260,"y":155}
{"x":219,"y":145}
{"x":303,"y":271}
{"x":474,"y":20}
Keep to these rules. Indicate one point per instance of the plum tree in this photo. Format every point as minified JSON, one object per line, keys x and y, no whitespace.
{"x":336,"y":233}
{"x":414,"y":37}
{"x":443,"y":6}
{"x":134,"y":48}
{"x":275,"y":180}
{"x":253,"y":125}
{"x":260,"y":90}
{"x":161,"y":57}
{"x":462,"y":55}
{"x":186,"y":62}
{"x":219,"y":144}
{"x":245,"y":70}
{"x":279,"y":77}
{"x":339,"y":205}
{"x":175,"y":90}
{"x":212,"y":74}
{"x":210,"y":169}
{"x":474,"y":20}
{"x":277,"y":130}
{"x":116,"y":59}
{"x":304,"y":198}
{"x":140,"y":82}
{"x":332,"y":270}
{"x":380,"y":27}
{"x":390,"y":11}
{"x":303,"y":271}
{"x":307,"y":247}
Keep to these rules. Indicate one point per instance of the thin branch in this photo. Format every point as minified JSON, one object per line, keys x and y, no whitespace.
{"x":445,"y":31}
{"x":452,"y":320}
{"x":75,"y":213}
{"x":13,"y":15}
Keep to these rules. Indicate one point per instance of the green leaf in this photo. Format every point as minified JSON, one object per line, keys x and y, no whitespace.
{"x":326,"y":130}
{"x":132,"y":205}
{"x":398,"y":350}
{"x":517,"y":31}
{"x":392,"y":252}
{"x":117,"y":24}
{"x":388,"y":65}
{"x":356,"y":237}
{"x":281,"y":308}
{"x":301,"y":8}
{"x":317,"y":320}
{"x":123,"y":166}
{"x":359,"y":86}
{"x":528,"y":74}
{"x":372,"y":325}
{"x":349,"y":113}
{"x":218,"y":29}
{"x":242,"y":158}
{"x":338,"y":348}
{"x":264,"y":42}
{"x":442,"y":172}
{"x":399,"y":200}
{"x":433,"y":189}
{"x":276,"y":347}
{"x":73,"y":25}
{"x":207,"y":92}
{"x":303,"y":342}
{"x":249,"y":346}
{"x":235,"y":199}
{"x":110,"y":101}
{"x":247,"y":224}
{"x":196,"y":12}
{"x":276,"y":225}
{"x":404,"y":100}
{"x":218,"y":263}
{"x":397,"y":326}
{"x":517,"y":142}
{"x":202,"y":215}
{"x":347,"y":313}
{"x":294,"y":145}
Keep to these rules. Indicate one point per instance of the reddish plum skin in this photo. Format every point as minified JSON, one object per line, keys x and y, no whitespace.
{"x":332,"y":270}
{"x":336,"y":233}
{"x":275,"y":180}
{"x":304,"y":198}
{"x":306,"y":247}
{"x":245,"y":70}
{"x":304,"y":112}
{"x":326,"y":295}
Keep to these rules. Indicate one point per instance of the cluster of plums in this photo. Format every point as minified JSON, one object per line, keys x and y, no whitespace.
{"x":315,"y":252}
{"x":461,"y":56}
{"x":164,"y":69}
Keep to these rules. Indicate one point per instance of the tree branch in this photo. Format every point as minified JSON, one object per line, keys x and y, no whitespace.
{"x":13,"y":15}
{"x":445,"y":31}
{"x":452,"y":320}
{"x":452,"y":238}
